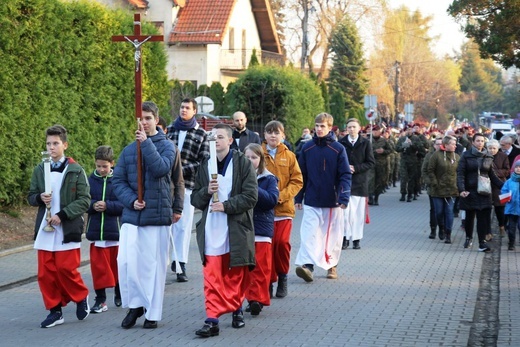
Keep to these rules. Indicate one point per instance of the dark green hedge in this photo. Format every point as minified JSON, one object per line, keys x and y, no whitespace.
{"x":266,"y":93}
{"x":59,"y":66}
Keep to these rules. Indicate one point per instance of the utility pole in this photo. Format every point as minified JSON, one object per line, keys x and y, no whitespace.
{"x":305,"y":40}
{"x":397,"y":66}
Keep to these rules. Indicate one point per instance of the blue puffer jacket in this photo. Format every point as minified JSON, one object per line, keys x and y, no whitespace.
{"x":158,"y":155}
{"x":326,"y":173}
{"x":512,"y":185}
{"x":263,"y":214}
{"x":103,"y":225}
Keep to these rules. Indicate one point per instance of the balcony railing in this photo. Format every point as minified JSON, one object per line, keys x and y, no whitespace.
{"x":238,"y":59}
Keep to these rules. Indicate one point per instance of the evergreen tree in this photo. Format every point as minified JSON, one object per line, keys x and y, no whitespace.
{"x":348,"y":65}
{"x":337,"y":107}
{"x":325,"y":95}
{"x":216,"y":93}
{"x":254,"y":59}
{"x":480,"y":81}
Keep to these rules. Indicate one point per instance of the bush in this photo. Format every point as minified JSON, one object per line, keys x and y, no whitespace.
{"x":268,"y":93}
{"x":59,"y":66}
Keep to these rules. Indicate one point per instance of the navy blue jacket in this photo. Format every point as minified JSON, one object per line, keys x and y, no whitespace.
{"x":158,"y":157}
{"x":326,"y":173}
{"x":103,"y":225}
{"x":263,"y":214}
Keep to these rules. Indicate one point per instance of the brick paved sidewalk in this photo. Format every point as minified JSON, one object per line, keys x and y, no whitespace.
{"x":400,"y":289}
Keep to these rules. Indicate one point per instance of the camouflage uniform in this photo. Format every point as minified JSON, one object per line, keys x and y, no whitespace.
{"x":410,"y":148}
{"x":392,"y":170}
{"x":381,"y":168}
{"x":418,"y":178}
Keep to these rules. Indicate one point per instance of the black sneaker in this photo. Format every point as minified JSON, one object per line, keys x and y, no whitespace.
{"x":511,"y":247}
{"x":82,"y":309}
{"x":483,"y":247}
{"x":468,"y":242}
{"x":54,"y":318}
{"x":99,"y":306}
{"x":182,"y":277}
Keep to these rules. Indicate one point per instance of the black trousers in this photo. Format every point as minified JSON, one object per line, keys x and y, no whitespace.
{"x":483,"y":223}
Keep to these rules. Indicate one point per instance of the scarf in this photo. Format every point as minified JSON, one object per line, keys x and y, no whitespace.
{"x":180,"y":124}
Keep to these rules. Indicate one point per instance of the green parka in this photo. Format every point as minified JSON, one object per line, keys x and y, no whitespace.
{"x":238,"y":207}
{"x":74,"y":199}
{"x":442,"y":174}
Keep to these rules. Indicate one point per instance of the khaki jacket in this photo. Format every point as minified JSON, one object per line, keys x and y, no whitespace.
{"x":290,"y":180}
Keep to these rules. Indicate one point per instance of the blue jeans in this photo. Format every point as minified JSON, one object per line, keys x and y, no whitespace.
{"x":444,"y":212}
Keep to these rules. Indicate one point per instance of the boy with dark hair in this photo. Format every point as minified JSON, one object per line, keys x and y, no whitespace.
{"x":103,"y":229}
{"x":59,"y":249}
{"x":145,"y":229}
{"x":192,"y":141}
{"x":226,"y":236}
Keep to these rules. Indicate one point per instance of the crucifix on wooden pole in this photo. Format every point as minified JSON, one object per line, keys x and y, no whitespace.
{"x":137,"y":40}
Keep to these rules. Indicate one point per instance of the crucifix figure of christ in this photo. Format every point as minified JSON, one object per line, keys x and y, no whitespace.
{"x":138,"y":40}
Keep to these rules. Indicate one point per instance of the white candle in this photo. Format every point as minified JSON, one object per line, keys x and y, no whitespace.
{"x":212,"y":163}
{"x":47,"y":172}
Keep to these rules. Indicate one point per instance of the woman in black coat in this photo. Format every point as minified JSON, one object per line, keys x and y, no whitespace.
{"x":473,"y":162}
{"x":501,"y":169}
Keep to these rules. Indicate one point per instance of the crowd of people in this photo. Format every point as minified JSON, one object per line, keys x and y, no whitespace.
{"x":140,"y":218}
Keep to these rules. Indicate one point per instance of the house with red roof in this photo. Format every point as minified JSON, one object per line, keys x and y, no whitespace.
{"x":211,"y":40}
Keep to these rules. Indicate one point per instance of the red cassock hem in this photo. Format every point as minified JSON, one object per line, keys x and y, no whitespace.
{"x":281,"y":248}
{"x":103,"y":265}
{"x":224,"y":287}
{"x":260,"y":277}
{"x":59,"y":279}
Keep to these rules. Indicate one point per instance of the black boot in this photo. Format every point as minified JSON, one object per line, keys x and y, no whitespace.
{"x":415,"y":196}
{"x":281,"y":289}
{"x":376,"y":200}
{"x":409,"y":199}
{"x":182,"y":277}
{"x":448,"y":237}
{"x":442,"y":234}
{"x":345,"y":243}
{"x":403,"y":197}
{"x":433,"y":233}
{"x":393,"y":184}
{"x":131,"y":317}
{"x":370,"y":199}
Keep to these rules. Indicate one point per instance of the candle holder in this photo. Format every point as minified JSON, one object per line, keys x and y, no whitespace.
{"x":215,"y":195}
{"x":46,"y":158}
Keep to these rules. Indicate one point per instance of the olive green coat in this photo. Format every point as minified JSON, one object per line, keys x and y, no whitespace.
{"x":442,"y":174}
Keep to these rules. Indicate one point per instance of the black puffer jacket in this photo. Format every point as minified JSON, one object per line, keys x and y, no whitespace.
{"x":467,"y":178}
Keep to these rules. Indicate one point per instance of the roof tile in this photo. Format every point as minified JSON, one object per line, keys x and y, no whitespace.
{"x":142,"y":4}
{"x":202,"y":21}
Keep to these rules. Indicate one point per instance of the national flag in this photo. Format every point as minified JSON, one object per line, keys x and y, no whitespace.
{"x":506,"y":197}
